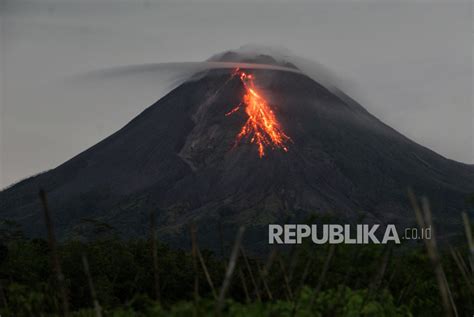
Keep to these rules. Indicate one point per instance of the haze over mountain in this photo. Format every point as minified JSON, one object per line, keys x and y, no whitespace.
{"x":181,"y":159}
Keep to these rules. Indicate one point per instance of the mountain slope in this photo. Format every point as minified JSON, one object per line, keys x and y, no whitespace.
{"x":180,"y":158}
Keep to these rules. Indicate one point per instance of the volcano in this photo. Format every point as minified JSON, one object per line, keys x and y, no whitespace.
{"x":209,"y":154}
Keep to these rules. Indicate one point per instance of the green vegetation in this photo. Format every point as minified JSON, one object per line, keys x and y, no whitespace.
{"x":109,"y":276}
{"x":360,"y":281}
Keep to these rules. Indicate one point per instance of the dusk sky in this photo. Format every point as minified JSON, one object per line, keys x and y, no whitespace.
{"x":410,"y":63}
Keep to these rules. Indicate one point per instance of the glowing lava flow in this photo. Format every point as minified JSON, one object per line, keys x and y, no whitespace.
{"x":262,"y":126}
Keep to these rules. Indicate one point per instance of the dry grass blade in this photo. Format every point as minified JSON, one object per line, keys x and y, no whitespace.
{"x":95,"y":301}
{"x":271,"y":259}
{"x":263,"y":278}
{"x":322,"y":277}
{"x":383,"y":268}
{"x":252,"y":277}
{"x":406,"y":290}
{"x":378,"y":278}
{"x":470,"y":239}
{"x":244,"y":285}
{"x":289,"y":293}
{"x":396,"y":267}
{"x":443,"y":283}
{"x":230,"y":270}
{"x":464,"y":266}
{"x":463,"y":269}
{"x":263,"y":272}
{"x":294,"y":256}
{"x":450,"y":294}
{"x":417,"y":209}
{"x":154,"y":254}
{"x":206,"y":273}
{"x":300,"y":286}
{"x":195,"y":266}
{"x":356,"y":256}
{"x":56,"y":264}
{"x":424,"y":221}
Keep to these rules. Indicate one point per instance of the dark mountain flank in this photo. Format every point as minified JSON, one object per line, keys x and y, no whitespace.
{"x":180,"y":159}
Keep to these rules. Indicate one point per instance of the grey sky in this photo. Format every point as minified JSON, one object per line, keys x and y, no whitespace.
{"x":410,"y":63}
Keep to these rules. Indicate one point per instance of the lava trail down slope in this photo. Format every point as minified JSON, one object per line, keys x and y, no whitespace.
{"x":198,"y":156}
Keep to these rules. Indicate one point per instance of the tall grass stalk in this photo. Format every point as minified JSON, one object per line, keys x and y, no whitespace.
{"x":202,"y":262}
{"x":230,"y":270}
{"x":95,"y":301}
{"x":423,"y":217}
{"x":154,"y":255}
{"x":55,"y":262}
{"x":470,"y":239}
{"x":252,"y":277}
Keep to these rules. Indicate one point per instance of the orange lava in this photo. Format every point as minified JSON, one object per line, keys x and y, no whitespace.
{"x":262,"y":127}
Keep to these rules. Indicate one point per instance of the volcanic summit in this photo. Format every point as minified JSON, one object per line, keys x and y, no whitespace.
{"x":243,"y":147}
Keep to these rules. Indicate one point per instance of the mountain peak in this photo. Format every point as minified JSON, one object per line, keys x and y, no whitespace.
{"x":255,"y":55}
{"x":293,"y":150}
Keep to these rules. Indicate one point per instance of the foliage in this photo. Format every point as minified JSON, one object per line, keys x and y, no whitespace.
{"x":121,"y":270}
